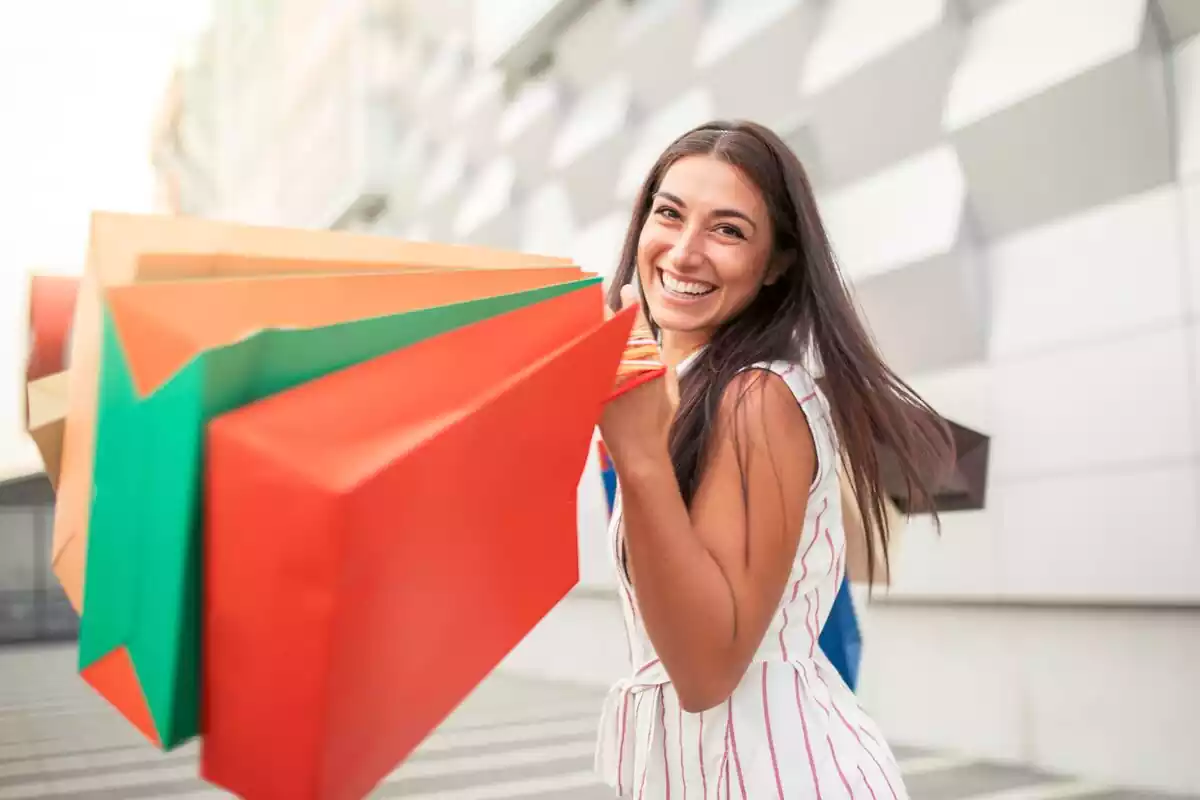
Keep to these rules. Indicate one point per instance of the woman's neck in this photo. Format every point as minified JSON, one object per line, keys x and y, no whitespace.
{"x":678,"y":345}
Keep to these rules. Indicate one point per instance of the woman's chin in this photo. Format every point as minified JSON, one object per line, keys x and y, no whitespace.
{"x":678,"y":324}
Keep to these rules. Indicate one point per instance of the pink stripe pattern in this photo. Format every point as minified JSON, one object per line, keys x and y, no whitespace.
{"x":621,"y":762}
{"x":867,"y":783}
{"x":666,"y":764}
{"x":838,"y":766}
{"x":737,"y":761}
{"x":682,"y":762}
{"x":812,"y":763}
{"x":766,"y":703}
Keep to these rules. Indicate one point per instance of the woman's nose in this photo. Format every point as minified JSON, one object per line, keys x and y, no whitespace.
{"x":684,"y":252}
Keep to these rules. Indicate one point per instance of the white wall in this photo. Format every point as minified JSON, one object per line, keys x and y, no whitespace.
{"x":20,"y":556}
{"x":1106,"y":693}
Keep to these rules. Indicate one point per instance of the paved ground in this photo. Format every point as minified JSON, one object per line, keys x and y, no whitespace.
{"x":512,"y":739}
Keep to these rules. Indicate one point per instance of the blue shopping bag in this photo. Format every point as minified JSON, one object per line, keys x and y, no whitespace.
{"x":609,"y":474}
{"x":841,"y":640}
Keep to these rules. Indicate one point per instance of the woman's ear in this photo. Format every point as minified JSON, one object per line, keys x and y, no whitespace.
{"x":778,"y":267}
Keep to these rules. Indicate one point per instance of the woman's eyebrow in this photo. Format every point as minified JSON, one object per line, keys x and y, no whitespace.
{"x":720,"y":212}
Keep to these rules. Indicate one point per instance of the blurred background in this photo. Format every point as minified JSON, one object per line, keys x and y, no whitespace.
{"x":1012,"y":186}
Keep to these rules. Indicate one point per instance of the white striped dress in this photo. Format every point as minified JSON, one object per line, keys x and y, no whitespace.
{"x":791,"y":729}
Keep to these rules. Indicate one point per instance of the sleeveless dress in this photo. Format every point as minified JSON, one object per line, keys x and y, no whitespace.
{"x":791,"y":730}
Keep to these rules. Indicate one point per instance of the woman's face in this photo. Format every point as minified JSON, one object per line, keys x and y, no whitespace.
{"x":704,"y":251}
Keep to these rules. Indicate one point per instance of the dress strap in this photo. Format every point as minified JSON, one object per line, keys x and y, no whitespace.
{"x":813,"y":403}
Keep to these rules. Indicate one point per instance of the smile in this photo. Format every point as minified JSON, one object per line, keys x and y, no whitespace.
{"x":684,"y":289}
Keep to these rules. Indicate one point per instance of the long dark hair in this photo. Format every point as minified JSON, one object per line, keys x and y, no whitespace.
{"x":809,"y":306}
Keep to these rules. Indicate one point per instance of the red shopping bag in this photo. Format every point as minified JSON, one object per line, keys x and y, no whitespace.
{"x":378,"y":539}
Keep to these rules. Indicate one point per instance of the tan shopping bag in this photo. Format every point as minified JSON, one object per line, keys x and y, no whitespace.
{"x":856,"y":537}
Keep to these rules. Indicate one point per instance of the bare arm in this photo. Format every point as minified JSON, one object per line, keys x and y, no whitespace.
{"x":709,"y":582}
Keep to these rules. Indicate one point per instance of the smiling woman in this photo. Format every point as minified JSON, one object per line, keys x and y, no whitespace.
{"x":727,"y":531}
{"x":697,"y":274}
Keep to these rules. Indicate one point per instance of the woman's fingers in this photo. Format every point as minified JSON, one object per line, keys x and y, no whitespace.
{"x":629,"y":296}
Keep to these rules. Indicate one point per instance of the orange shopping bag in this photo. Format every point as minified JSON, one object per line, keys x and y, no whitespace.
{"x":378,"y":539}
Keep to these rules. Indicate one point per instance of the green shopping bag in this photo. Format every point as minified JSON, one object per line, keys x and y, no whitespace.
{"x":164,"y":374}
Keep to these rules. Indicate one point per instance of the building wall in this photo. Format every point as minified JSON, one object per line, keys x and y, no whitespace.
{"x":307,"y":111}
{"x":1022,"y":233}
{"x":183,"y":146}
{"x":247,"y":68}
{"x":164,"y":148}
{"x":1107,"y":693}
{"x":1013,"y":188}
{"x":32,"y":606}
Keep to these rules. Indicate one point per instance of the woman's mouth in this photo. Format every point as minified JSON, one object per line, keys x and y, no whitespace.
{"x":684,"y":290}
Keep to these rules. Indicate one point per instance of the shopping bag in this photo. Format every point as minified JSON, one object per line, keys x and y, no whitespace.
{"x":841,"y":639}
{"x":608,"y":474}
{"x":962,"y":486}
{"x":858,"y":543}
{"x":45,"y":419}
{"x":51,"y":307}
{"x":641,"y":362}
{"x":126,"y":249}
{"x":366,"y":569}
{"x":130,"y":248}
{"x":174,"y":355}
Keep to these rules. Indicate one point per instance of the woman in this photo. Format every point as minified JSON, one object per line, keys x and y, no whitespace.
{"x":727,"y":533}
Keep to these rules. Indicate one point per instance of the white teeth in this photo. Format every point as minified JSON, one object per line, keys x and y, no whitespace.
{"x":684,"y":287}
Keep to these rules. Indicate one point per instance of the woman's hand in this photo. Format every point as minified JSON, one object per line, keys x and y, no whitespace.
{"x":635,"y":425}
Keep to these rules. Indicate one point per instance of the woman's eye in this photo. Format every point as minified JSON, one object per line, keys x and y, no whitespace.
{"x":666,"y":212}
{"x":731,"y":230}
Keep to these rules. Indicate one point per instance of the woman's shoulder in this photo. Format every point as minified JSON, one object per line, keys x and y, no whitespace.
{"x":794,"y":375}
{"x":775,"y":388}
{"x":807,"y":393}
